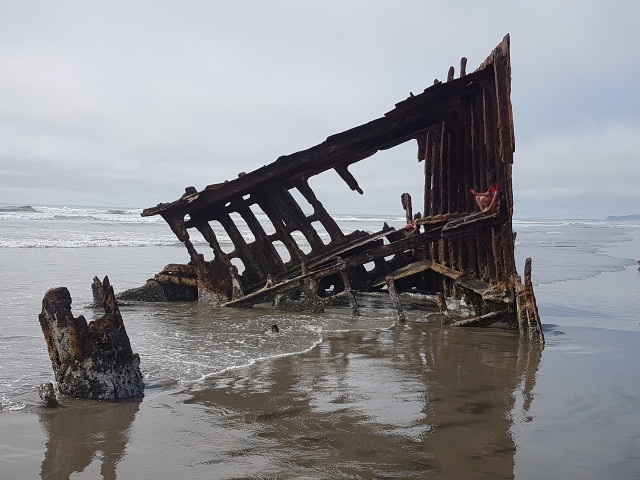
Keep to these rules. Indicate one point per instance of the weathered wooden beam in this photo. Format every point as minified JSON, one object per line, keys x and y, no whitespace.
{"x":527,"y":311}
{"x":348,"y":178}
{"x":420,"y":139}
{"x":443,"y":169}
{"x":405,"y":199}
{"x":485,"y":320}
{"x":471,"y":224}
{"x":405,"y":271}
{"x":320,"y":214}
{"x":179,"y":269}
{"x":428,"y":173}
{"x":176,"y":280}
{"x":348,"y":291}
{"x":506,"y":139}
{"x":436,"y":186}
{"x":360,"y":242}
{"x":209,"y":235}
{"x":177,"y":226}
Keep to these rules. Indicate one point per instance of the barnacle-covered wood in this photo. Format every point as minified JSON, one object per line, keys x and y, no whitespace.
{"x":92,"y":360}
{"x":463,"y":129}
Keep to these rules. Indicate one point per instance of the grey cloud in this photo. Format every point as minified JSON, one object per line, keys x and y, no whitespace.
{"x":145,"y":98}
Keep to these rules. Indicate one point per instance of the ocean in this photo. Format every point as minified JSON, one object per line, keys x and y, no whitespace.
{"x":330,"y":396}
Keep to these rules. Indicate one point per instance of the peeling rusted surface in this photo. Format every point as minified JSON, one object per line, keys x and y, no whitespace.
{"x":463,"y":129}
{"x":94,"y":360}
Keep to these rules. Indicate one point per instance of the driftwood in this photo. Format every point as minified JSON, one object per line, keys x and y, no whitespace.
{"x":463,"y":129}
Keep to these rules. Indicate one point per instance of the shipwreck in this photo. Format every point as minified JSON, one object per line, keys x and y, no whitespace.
{"x":463,"y":128}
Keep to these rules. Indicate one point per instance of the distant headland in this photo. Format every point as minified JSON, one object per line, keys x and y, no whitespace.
{"x":23,"y":208}
{"x":624,"y":218}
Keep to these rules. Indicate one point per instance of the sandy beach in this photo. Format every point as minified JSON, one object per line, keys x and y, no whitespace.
{"x":412,"y":401}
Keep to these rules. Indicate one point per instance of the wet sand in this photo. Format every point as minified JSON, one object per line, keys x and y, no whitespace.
{"x":417,"y":400}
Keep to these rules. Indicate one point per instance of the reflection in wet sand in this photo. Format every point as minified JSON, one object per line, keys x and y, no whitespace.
{"x":416,"y":401}
{"x":473,"y":383}
{"x":84,"y":431}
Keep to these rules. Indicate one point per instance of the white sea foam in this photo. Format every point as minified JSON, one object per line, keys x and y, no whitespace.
{"x":80,"y":241}
{"x":252,"y":361}
{"x":7,"y":405}
{"x":38,"y":213}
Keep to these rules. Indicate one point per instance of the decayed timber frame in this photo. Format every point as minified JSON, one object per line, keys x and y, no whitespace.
{"x":463,"y":128}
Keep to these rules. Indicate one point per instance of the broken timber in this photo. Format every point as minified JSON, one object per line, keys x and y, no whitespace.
{"x":463,"y":129}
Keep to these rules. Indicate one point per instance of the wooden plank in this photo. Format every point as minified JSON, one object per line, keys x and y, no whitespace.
{"x":406,"y":271}
{"x":428,"y":175}
{"x":503,"y":102}
{"x":357,"y":244}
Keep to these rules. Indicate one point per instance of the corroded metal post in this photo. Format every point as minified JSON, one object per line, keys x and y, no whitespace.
{"x":528,"y":317}
{"x":395,"y":298}
{"x":94,"y":360}
{"x":355,"y":311}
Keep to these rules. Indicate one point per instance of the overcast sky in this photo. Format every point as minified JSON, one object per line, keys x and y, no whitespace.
{"x":125,"y":103}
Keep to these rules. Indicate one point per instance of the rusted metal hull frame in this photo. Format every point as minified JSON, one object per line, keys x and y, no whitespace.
{"x":463,"y":129}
